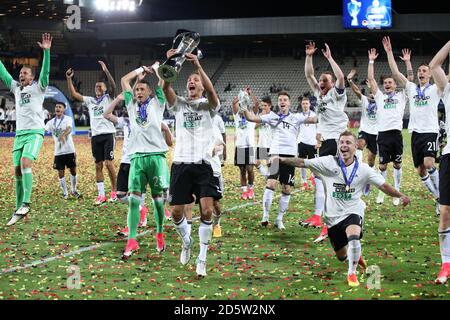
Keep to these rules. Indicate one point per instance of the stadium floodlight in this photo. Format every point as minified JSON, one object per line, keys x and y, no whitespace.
{"x":117,"y":5}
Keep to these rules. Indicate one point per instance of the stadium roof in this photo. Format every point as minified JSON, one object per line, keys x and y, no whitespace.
{"x":158,"y":10}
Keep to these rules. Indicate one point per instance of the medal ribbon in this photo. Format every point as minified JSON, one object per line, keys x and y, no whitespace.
{"x":142,"y":109}
{"x":421,"y":93}
{"x":348,"y":181}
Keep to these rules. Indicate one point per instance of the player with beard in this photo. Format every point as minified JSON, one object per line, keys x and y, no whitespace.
{"x":103,"y":131}
{"x":345,"y":178}
{"x":424,"y":99}
{"x":443,"y":85}
{"x":29,"y":96}
{"x":331,"y":100}
{"x":191,"y":167}
{"x":285,"y":127}
{"x":390,"y":109}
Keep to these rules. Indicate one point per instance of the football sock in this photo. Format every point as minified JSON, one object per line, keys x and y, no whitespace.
{"x":434,"y":176}
{"x":133,"y":215}
{"x":143,"y":200}
{"x":353,"y":253}
{"x":319,"y":197}
{"x":267,"y":201}
{"x":27,"y":184}
{"x":73,"y":183}
{"x":397,"y":178}
{"x":216,"y":218}
{"x":183,"y":230}
{"x":158,"y":212}
{"x":204,"y":233}
{"x":303,"y":171}
{"x":62,"y":183}
{"x":430,"y":186}
{"x":101,"y":188}
{"x":284,"y":204}
{"x":444,"y":242}
{"x":19,"y":192}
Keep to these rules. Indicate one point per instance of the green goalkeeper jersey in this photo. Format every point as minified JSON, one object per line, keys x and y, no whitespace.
{"x":29,"y":99}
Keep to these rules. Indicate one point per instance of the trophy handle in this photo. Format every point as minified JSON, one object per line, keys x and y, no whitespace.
{"x":177,"y":37}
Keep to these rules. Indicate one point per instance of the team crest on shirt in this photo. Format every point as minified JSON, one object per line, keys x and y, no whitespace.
{"x":192,"y":120}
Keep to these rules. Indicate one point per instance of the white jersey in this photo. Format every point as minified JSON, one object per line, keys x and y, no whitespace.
{"x":2,"y":114}
{"x":390,"y":109}
{"x":56,"y":127}
{"x":308,"y":131}
{"x":339,"y":203}
{"x":284,"y":132}
{"x":423,"y":108}
{"x":29,"y":110}
{"x":330,"y":111}
{"x":216,"y":164}
{"x":368,"y":121}
{"x":265,"y":135}
{"x":145,"y":123}
{"x":96,"y":107}
{"x":194,"y":129}
{"x":218,"y":122}
{"x":245,"y":131}
{"x":446,"y":100}
{"x":124,"y":123}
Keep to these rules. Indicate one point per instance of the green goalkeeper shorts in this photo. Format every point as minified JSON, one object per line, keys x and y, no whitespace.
{"x":148,"y":169}
{"x":27,"y":146}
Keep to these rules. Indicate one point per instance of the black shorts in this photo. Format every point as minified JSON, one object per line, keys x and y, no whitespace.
{"x":423,"y":145}
{"x":390,"y":146}
{"x":328,"y":148}
{"x":191,"y":178}
{"x":122,"y":177}
{"x":65,"y":161}
{"x":337,"y":235}
{"x":371,"y":141}
{"x":244,"y":156}
{"x":262,"y":153}
{"x":444,"y":180}
{"x":306,"y":151}
{"x":282,"y":172}
{"x":103,"y":147}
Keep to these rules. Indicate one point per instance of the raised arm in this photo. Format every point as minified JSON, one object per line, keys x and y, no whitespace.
{"x":126,"y":79}
{"x":373,"y":55}
{"x":168,"y":137}
{"x":45,"y":45}
{"x":438,"y":73}
{"x":391,"y":191}
{"x":309,"y":68}
{"x":353,"y":85}
{"x":254,"y":99}
{"x":75,"y":95}
{"x":108,"y":113}
{"x":111,"y":81}
{"x":398,"y":76}
{"x":340,"y":80}
{"x":169,"y":93}
{"x":207,"y":84}
{"x":5,"y":76}
{"x":252,"y":117}
{"x":406,"y":57}
{"x":235,"y":105}
{"x":294,"y":162}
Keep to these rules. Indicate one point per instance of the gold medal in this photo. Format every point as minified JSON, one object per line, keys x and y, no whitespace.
{"x":347,"y":188}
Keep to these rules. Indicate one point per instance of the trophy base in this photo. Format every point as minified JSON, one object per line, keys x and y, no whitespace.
{"x":167,"y":73}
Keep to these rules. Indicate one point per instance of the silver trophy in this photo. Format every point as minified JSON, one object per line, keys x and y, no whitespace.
{"x":169,"y":70}
{"x":244,"y":100}
{"x":353,"y":8}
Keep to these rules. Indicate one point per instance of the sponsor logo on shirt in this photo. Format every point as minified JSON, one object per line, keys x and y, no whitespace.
{"x":25,"y":98}
{"x":421,"y":101}
{"x":192,"y":120}
{"x":98,"y":111}
{"x":340,"y":193}
{"x":390,"y":103}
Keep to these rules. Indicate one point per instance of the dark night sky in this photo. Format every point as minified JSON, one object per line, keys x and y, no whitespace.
{"x":214,"y":9}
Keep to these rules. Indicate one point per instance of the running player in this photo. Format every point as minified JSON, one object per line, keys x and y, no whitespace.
{"x":390,"y":109}
{"x":368,"y":131}
{"x":424,"y":99}
{"x":345,"y":178}
{"x":443,"y":85}
{"x":191,"y":170}
{"x":147,"y":150}
{"x":29,"y":96}
{"x":331,"y":100}
{"x":61,"y":129}
{"x":285,"y":127}
{"x":244,"y":155}
{"x":103,"y":131}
